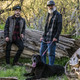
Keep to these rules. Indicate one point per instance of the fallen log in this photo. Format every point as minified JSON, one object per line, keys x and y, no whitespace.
{"x":65,"y":47}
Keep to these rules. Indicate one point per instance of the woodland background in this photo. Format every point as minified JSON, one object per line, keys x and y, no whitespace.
{"x":35,"y":12}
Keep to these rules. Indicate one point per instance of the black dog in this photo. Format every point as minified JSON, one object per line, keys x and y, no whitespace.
{"x":41,"y":70}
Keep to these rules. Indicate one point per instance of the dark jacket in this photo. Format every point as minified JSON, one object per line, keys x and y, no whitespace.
{"x":10,"y":26}
{"x":56,"y":27}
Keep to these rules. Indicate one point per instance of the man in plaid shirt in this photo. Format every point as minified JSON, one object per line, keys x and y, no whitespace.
{"x":14,"y":33}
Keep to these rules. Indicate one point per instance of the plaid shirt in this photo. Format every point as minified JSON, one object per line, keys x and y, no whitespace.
{"x":16,"y":33}
{"x":53,"y":27}
{"x":49,"y":30}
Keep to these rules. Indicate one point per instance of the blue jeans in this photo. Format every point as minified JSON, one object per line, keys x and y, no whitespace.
{"x":51,"y":52}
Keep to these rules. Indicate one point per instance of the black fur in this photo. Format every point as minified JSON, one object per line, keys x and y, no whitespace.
{"x":43,"y":70}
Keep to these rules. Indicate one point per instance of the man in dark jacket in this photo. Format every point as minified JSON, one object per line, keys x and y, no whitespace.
{"x":51,"y":34}
{"x":14,"y":33}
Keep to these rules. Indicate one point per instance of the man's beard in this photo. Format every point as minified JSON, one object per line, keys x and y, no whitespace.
{"x":51,"y":10}
{"x":17,"y":15}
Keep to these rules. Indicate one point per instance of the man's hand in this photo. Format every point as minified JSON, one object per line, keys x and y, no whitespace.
{"x":7,"y":39}
{"x":54,"y":39}
{"x":41,"y":39}
{"x":22,"y":36}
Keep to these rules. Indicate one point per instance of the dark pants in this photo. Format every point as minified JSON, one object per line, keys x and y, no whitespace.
{"x":20,"y":46}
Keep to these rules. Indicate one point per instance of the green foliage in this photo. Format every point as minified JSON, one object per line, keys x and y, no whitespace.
{"x":2,"y":26}
{"x":62,"y":61}
{"x":35,"y":9}
{"x":76,"y":37}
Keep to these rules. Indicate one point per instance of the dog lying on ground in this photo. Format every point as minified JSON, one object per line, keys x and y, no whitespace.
{"x":41,"y":70}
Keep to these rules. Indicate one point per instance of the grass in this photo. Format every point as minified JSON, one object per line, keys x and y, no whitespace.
{"x":15,"y":71}
{"x":63,"y":77}
{"x":2,"y":26}
{"x":61,"y":61}
{"x":18,"y":71}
